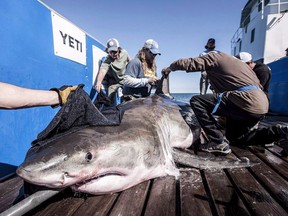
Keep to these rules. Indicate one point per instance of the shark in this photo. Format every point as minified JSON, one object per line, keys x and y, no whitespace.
{"x":108,"y":159}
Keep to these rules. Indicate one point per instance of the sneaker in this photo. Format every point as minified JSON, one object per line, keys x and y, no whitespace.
{"x":211,"y":147}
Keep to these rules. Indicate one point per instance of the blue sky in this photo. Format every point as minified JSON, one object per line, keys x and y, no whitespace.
{"x":180,"y":27}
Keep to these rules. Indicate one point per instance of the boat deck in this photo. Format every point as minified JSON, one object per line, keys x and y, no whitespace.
{"x":258,"y":190}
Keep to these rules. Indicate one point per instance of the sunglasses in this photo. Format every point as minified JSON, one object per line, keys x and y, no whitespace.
{"x":113,"y":52}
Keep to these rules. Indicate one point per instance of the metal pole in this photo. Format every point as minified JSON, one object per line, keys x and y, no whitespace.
{"x":29,"y":203}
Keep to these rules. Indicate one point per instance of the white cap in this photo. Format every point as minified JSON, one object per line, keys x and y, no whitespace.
{"x":152,"y":46}
{"x":245,"y":57}
{"x":112,"y":45}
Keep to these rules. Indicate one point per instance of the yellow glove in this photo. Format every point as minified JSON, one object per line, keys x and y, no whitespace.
{"x":64,"y":92}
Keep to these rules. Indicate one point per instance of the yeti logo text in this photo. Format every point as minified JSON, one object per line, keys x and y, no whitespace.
{"x":71,"y":42}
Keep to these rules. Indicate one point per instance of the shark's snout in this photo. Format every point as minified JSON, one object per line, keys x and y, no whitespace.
{"x":37,"y":175}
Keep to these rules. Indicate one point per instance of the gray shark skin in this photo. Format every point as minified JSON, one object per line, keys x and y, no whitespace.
{"x":98,"y":160}
{"x":108,"y":159}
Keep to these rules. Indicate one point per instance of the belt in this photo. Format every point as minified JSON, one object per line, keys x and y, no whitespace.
{"x":244,"y":88}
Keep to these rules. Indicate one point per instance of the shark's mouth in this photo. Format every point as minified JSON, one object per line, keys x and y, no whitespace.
{"x":97,"y":178}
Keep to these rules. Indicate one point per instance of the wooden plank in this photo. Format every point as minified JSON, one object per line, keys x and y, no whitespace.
{"x":277,"y":163}
{"x":67,"y":206}
{"x":10,"y":184}
{"x":9,"y":191}
{"x":271,"y":180}
{"x":46,"y":207}
{"x":256,"y":198}
{"x":194,"y":199}
{"x":64,"y":203}
{"x":97,"y":205}
{"x":131,"y":201}
{"x":276,"y":150}
{"x":8,"y":199}
{"x":224,"y":196}
{"x":162,"y":198}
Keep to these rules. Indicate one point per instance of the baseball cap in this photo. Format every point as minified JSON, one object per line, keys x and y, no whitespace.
{"x":245,"y":56}
{"x":112,"y":45}
{"x":152,"y":46}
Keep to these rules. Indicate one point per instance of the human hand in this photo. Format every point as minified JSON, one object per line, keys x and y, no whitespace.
{"x":166,"y":71}
{"x":64,"y":92}
{"x":153,"y":80}
{"x":97,"y":87}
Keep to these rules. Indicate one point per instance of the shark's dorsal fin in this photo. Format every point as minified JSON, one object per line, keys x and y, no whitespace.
{"x":163,"y":87}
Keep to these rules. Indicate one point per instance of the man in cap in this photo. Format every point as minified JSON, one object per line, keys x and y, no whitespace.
{"x":112,"y":69}
{"x":141,"y":72}
{"x":262,"y":71}
{"x":204,"y":81}
{"x":286,"y":52}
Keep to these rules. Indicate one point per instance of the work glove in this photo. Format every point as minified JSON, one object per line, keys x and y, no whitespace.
{"x":64,"y":92}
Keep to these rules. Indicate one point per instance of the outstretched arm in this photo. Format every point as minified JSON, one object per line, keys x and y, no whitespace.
{"x":15,"y":97}
{"x":202,"y":63}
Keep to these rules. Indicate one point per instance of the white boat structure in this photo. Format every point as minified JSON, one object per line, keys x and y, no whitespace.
{"x":263,"y":32}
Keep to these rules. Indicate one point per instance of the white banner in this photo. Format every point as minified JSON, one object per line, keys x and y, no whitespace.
{"x":69,"y":40}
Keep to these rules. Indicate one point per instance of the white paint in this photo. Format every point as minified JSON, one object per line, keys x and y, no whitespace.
{"x":98,"y":54}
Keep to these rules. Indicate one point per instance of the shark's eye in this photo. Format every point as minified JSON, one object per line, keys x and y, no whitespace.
{"x":88,"y":156}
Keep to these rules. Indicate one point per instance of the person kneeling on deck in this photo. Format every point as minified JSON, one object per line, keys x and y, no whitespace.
{"x":112,"y":70}
{"x":240,"y":99}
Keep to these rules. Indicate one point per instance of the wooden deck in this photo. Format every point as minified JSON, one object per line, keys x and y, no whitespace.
{"x":258,"y":190}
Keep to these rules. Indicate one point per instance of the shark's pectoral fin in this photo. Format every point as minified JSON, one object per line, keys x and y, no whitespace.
{"x":209,"y":162}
